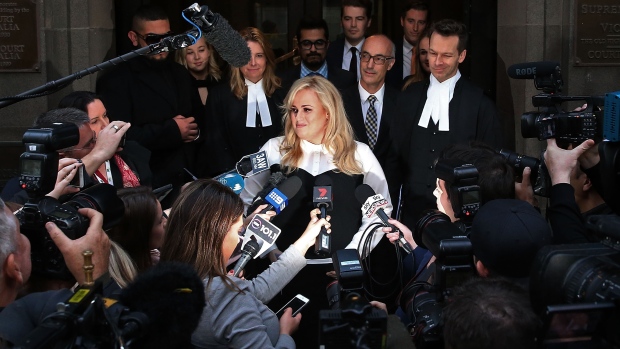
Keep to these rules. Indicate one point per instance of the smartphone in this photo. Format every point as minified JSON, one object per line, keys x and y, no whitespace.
{"x":297,"y":303}
{"x":78,"y":179}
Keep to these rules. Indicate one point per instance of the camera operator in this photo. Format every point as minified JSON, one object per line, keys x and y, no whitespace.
{"x":495,"y":179}
{"x":488,"y":314}
{"x":563,"y":212}
{"x":92,"y":149}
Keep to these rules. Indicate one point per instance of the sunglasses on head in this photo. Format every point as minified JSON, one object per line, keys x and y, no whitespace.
{"x":151,"y":38}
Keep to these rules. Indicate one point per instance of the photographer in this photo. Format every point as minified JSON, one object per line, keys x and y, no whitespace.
{"x":93,"y":149}
{"x":31,"y":308}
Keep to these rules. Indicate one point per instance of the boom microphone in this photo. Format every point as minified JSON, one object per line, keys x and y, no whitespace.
{"x":216,"y":30}
{"x":172,"y":296}
{"x":532,"y":70}
{"x":322,"y":199}
{"x":372,"y":203}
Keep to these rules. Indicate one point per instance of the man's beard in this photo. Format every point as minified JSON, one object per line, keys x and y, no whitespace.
{"x":314,"y":65}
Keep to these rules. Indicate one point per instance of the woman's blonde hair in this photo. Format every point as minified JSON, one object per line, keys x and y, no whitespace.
{"x":121,"y":267}
{"x":270,"y":81}
{"x":338,"y":138}
{"x":213,"y":69}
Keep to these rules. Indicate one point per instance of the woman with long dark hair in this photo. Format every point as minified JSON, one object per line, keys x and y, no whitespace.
{"x":203,"y":231}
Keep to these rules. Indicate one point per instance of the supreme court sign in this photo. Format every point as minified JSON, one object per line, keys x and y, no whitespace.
{"x":597,"y":33}
{"x":19,"y":47}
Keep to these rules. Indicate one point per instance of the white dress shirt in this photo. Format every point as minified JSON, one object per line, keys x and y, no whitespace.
{"x":346,"y":56}
{"x":378,"y":103}
{"x":316,"y":160}
{"x":407,"y":50}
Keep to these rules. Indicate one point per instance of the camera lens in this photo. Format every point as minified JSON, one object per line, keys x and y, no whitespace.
{"x":529,"y":128}
{"x":101,"y":197}
{"x":429,"y":217}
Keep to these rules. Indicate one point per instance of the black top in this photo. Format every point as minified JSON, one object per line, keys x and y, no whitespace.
{"x":346,"y":214}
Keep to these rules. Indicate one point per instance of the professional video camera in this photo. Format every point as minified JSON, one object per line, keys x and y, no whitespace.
{"x":352,"y":322}
{"x":39,"y":168}
{"x":552,"y":121}
{"x":577,"y":288}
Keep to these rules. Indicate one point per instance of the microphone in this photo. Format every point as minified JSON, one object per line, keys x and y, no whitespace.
{"x":249,"y":251}
{"x":323,"y":199}
{"x":216,"y":30}
{"x":252,"y":164}
{"x":232,"y":180}
{"x":277,"y":199}
{"x":532,"y":70}
{"x":172,"y":297}
{"x":259,"y":236}
{"x":372,"y":203}
{"x":275,"y":179}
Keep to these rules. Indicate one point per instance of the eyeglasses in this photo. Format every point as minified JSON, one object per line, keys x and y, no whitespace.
{"x":378,"y":59}
{"x":151,"y":38}
{"x":89,"y":145}
{"x":319,"y":44}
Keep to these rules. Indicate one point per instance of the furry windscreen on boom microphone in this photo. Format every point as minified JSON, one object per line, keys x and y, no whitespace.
{"x":216,"y":30}
{"x":172,"y":296}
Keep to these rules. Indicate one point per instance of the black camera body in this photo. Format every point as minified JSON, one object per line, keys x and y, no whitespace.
{"x":462,"y":183}
{"x":352,"y":321}
{"x":566,"y":127}
{"x":46,"y":259}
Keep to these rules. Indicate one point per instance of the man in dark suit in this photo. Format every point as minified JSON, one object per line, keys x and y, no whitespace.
{"x":344,"y":53}
{"x":414,"y":19}
{"x":371,"y":104}
{"x":157,"y":97}
{"x":448,"y":110}
{"x":313,"y":39}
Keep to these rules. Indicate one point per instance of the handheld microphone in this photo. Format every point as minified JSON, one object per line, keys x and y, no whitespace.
{"x":277,"y":199}
{"x":275,"y":179}
{"x":232,"y":180}
{"x":259,"y":236}
{"x":216,"y":30}
{"x":249,"y":251}
{"x":532,"y":70}
{"x":252,"y":164}
{"x":372,"y":203}
{"x":323,"y":199}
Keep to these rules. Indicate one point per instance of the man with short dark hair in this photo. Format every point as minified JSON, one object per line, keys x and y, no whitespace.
{"x":431,"y":115}
{"x":489,"y":314}
{"x":313,"y":42}
{"x":344,"y":53}
{"x":158,"y":98}
{"x":414,"y":18}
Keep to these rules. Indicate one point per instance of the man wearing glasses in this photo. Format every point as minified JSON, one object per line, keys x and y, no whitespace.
{"x":157,"y":97}
{"x":371,"y":104}
{"x":313,"y":39}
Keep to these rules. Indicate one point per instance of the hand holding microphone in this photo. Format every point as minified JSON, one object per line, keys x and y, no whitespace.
{"x":395,"y":235}
{"x":372,"y":204}
{"x":308,"y":238}
{"x":323,"y":200}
